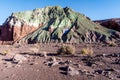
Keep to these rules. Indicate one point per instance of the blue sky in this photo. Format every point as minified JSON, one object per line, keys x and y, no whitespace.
{"x":95,"y":9}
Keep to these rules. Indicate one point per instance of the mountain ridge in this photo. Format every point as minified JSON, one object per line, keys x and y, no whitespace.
{"x":57,"y":24}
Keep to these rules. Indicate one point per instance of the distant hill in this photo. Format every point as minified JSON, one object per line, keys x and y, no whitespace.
{"x":113,"y":23}
{"x":57,"y":24}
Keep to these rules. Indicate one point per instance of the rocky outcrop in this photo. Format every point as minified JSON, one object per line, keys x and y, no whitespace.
{"x":6,"y":35}
{"x":65,"y":25}
{"x":111,"y":23}
{"x":56,"y":24}
{"x":19,"y":27}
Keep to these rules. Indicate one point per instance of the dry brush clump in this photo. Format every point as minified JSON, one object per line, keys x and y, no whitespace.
{"x":87,"y":51}
{"x":112,"y":43}
{"x":5,"y":52}
{"x":66,"y":50}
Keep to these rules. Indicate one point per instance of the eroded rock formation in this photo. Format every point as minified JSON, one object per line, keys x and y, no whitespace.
{"x":54,"y":24}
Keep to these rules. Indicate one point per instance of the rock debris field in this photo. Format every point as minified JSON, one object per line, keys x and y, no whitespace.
{"x":30,"y":62}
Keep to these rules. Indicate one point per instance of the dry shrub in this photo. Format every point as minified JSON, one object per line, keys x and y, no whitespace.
{"x":112,"y":43}
{"x":87,"y":51}
{"x":5,"y":52}
{"x":66,"y":50}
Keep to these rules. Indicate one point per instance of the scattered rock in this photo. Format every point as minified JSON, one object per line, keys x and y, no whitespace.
{"x":27,"y":56}
{"x":89,"y":63}
{"x":58,"y":58}
{"x":52,"y":59}
{"x":99,"y":71}
{"x":68,"y":62}
{"x":106,"y":72}
{"x":31,"y":63}
{"x":109,"y":69}
{"x":104,"y":55}
{"x":85,"y":72}
{"x":17,"y":58}
{"x":112,"y":55}
{"x":117,"y":61}
{"x":71,"y":71}
{"x":61,"y":63}
{"x":44,"y":54}
{"x":48,"y":63}
{"x":118,"y":76}
{"x":78,"y":65}
{"x":54,"y":64}
{"x":51,"y":62}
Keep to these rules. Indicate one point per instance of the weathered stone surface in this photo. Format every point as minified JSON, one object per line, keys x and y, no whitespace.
{"x":20,"y":32}
{"x":6,"y":35}
{"x":51,"y":62}
{"x":43,"y":54}
{"x":54,"y":24}
{"x":71,"y":71}
{"x":18,"y":58}
{"x":65,"y":25}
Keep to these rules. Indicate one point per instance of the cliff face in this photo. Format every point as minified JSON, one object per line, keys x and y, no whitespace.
{"x":56,"y":24}
{"x":111,"y":23}
{"x":19,"y":27}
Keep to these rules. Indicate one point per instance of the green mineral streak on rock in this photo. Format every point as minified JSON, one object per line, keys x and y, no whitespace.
{"x":56,"y":20}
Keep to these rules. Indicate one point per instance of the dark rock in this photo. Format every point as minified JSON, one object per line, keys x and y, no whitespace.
{"x":117,"y":61}
{"x":51,"y":62}
{"x":99,"y":71}
{"x":54,"y":64}
{"x":68,"y":62}
{"x":118,"y":76}
{"x":109,"y":69}
{"x":89,"y":63}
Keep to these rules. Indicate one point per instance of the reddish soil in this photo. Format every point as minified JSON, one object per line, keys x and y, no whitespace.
{"x":105,"y":58}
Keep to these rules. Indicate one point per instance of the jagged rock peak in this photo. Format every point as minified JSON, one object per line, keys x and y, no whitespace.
{"x":38,"y":15}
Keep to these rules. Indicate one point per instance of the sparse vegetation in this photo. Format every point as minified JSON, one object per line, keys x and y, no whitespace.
{"x":5,"y":52}
{"x":66,"y":50}
{"x":112,"y":43}
{"x":87,"y":51}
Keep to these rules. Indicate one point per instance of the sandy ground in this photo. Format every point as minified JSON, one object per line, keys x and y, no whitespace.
{"x":104,"y":64}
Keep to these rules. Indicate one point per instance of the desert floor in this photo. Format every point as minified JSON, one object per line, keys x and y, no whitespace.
{"x":33,"y":64}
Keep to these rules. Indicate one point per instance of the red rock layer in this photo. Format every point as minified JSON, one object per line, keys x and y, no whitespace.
{"x":20,"y":32}
{"x":8,"y":34}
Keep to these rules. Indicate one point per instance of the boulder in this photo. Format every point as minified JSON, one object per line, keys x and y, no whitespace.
{"x":17,"y":58}
{"x":71,"y":71}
